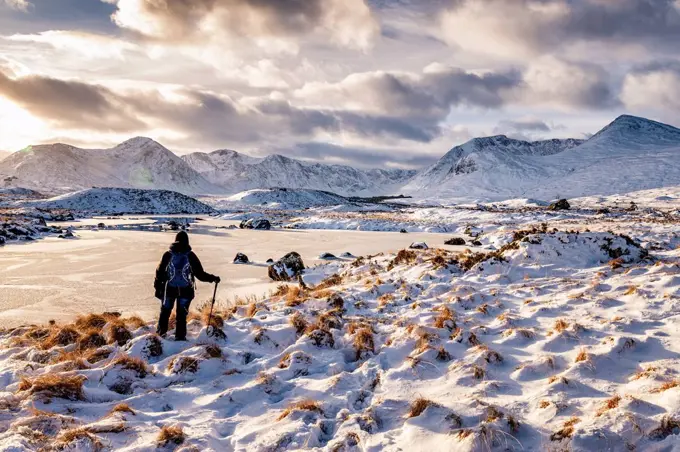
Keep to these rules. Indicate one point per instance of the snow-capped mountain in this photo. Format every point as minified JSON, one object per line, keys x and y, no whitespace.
{"x":136,"y":163}
{"x":237,"y":172}
{"x":481,"y":155}
{"x":629,"y":154}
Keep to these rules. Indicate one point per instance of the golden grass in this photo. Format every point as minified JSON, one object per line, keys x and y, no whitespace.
{"x":445,"y":319}
{"x":90,"y":321}
{"x":418,"y":406}
{"x":213,"y":351}
{"x":543,"y":404}
{"x":118,"y":333}
{"x":122,"y":408}
{"x":77,"y":434}
{"x":609,"y":404}
{"x":64,"y":336}
{"x":582,"y":356}
{"x":331,"y":281}
{"x":566,"y":431}
{"x":296,"y":296}
{"x":91,"y":339}
{"x":560,"y":325}
{"x":298,"y":322}
{"x":134,"y":364}
{"x":68,"y":387}
{"x":303,"y":405}
{"x":363,"y":343}
{"x":666,"y":386}
{"x":170,"y":435}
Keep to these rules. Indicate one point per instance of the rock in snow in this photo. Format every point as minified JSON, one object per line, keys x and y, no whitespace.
{"x":241,"y":259}
{"x":456,"y":241}
{"x":287,"y":268}
{"x":419,"y":246}
{"x":256,"y":223}
{"x":562,"y":204}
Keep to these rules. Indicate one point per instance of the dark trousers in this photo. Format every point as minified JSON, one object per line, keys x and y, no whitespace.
{"x":182,"y":311}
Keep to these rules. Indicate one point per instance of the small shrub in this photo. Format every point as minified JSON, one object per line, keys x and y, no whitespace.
{"x":331,"y":281}
{"x":567,"y":430}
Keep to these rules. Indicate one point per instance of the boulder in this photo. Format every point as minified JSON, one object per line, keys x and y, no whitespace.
{"x":256,"y":223}
{"x":562,"y":204}
{"x":403,"y":231}
{"x":327,"y":256}
{"x":347,"y":255}
{"x":419,"y":246}
{"x":456,"y":241}
{"x":241,"y":259}
{"x":2,"y":240}
{"x":270,"y":261}
{"x":101,"y":226}
{"x":287,"y":268}
{"x":476,"y":243}
{"x":67,"y":235}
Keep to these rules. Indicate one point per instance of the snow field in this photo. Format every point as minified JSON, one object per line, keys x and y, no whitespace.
{"x":555,"y":341}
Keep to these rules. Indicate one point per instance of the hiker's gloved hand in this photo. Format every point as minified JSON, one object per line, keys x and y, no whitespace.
{"x":217,"y":280}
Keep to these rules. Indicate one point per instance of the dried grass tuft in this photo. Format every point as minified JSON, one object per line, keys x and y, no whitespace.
{"x":50,"y":386}
{"x":418,"y":406}
{"x":303,"y":405}
{"x":170,"y":435}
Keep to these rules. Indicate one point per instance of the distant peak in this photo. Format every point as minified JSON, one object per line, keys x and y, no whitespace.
{"x":638,"y":126}
{"x":139,"y":141}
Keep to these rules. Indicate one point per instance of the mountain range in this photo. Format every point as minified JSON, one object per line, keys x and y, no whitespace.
{"x":629,"y":154}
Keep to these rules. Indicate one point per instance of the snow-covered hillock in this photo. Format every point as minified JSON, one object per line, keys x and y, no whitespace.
{"x":115,"y":201}
{"x":421,"y":350}
{"x":284,"y":198}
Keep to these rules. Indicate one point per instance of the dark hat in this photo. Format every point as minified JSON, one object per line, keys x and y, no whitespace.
{"x":182,"y":238}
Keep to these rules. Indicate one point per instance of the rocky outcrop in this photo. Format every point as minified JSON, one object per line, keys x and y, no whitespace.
{"x":287,"y":268}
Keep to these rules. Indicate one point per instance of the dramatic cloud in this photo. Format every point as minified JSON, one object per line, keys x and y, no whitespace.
{"x":21,"y":5}
{"x":70,"y":104}
{"x":655,"y":86}
{"x":562,"y":84}
{"x":347,"y":22}
{"x":521,"y":28}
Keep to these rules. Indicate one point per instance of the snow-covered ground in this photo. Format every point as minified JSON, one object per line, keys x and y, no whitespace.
{"x":559,"y":331}
{"x":557,"y":341}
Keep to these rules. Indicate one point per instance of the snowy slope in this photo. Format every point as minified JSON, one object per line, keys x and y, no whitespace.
{"x":136,"y":163}
{"x":284,"y":197}
{"x":492,"y":166}
{"x":629,"y":154}
{"x":110,"y":201}
{"x":4,"y":155}
{"x":237,"y":172}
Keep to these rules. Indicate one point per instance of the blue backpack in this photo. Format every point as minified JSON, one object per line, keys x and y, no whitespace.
{"x":179,"y":271}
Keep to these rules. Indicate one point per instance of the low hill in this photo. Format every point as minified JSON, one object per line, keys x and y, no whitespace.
{"x":113,"y":201}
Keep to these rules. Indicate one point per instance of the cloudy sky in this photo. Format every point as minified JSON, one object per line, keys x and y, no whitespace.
{"x":366,"y":82}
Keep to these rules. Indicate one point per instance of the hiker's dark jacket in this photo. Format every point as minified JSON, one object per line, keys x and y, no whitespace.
{"x":160,"y":282}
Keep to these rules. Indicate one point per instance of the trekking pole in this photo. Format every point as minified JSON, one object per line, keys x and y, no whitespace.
{"x":211,"y":329}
